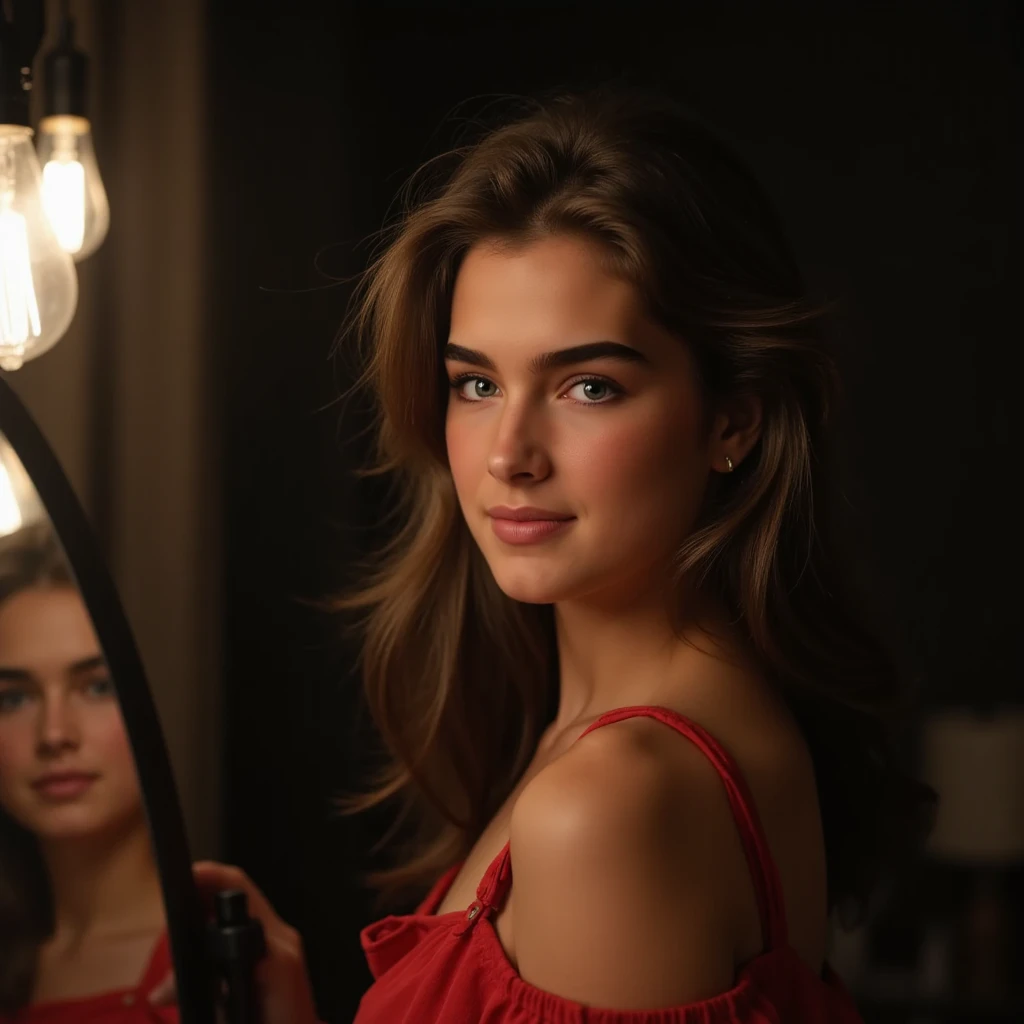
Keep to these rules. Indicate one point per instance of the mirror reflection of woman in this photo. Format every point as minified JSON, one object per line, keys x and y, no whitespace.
{"x":83,"y":936}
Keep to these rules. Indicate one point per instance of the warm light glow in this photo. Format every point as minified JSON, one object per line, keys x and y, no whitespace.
{"x":10,"y":513}
{"x":73,"y":192}
{"x":38,"y":283}
{"x":19,"y":310}
{"x":64,"y":199}
{"x":20,"y":505}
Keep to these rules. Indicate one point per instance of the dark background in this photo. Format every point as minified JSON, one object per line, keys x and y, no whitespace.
{"x":888,"y":135}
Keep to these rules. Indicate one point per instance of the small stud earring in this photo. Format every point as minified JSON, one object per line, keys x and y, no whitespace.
{"x":728,"y":462}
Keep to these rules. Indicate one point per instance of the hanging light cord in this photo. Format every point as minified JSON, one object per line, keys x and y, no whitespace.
{"x":65,"y":26}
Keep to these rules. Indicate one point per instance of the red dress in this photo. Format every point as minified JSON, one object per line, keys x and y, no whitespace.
{"x":451,"y":968}
{"x":119,"y":1006}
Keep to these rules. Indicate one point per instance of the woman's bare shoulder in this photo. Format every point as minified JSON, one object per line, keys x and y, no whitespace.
{"x":733,"y":701}
{"x":626,"y":870}
{"x":638,"y":777}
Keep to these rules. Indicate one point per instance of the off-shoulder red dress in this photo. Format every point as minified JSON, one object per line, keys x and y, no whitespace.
{"x":120,"y":1006}
{"x":451,"y":968}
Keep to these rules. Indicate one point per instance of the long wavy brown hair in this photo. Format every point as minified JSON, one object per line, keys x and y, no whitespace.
{"x":32,"y":557}
{"x":460,"y":679}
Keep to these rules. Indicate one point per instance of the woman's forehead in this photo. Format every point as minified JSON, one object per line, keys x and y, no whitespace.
{"x":46,"y":625}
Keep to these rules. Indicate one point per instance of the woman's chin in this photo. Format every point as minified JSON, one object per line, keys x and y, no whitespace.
{"x":69,"y":824}
{"x":65,"y":831}
{"x":531,"y":590}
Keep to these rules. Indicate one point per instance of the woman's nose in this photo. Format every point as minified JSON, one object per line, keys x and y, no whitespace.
{"x":518,"y":451}
{"x":58,"y":727}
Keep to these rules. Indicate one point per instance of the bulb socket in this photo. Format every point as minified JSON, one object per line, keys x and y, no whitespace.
{"x":65,"y":72}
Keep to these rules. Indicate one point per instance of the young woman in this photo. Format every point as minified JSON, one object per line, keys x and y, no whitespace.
{"x":83,"y":934}
{"x":644,"y":737}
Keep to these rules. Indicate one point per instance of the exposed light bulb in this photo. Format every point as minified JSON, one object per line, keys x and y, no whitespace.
{"x":38,"y":282}
{"x":73,"y":192}
{"x":20,"y":505}
{"x":10,"y":514}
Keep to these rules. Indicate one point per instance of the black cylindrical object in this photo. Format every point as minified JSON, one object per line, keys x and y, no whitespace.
{"x":65,"y":74}
{"x":236,"y":943}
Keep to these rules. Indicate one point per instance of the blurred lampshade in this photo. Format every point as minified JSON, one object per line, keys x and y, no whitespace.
{"x":976,"y":763}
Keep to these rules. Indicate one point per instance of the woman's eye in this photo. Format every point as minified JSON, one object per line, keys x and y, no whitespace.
{"x":593,"y":391}
{"x":100,"y":688}
{"x":589,"y":391}
{"x":472,"y":389}
{"x":11,"y":699}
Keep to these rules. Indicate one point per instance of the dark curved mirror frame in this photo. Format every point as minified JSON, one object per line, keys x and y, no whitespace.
{"x":185,"y":915}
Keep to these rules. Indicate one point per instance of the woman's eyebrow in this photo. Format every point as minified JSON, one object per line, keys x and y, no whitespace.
{"x":551,"y":360}
{"x":14,"y":674}
{"x":89,"y":664}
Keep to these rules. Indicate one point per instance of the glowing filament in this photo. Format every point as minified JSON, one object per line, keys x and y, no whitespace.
{"x":19,"y":309}
{"x":64,"y":199}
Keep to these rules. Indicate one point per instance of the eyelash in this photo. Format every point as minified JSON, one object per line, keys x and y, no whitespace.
{"x":6,"y":702}
{"x":9,"y":692}
{"x":616,"y":391}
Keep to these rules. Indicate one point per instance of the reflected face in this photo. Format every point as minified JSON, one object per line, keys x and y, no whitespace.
{"x":66,"y":769}
{"x":609,"y":436}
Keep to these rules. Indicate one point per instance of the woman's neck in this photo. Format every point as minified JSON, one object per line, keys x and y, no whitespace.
{"x":619,"y":653}
{"x":104,"y":884}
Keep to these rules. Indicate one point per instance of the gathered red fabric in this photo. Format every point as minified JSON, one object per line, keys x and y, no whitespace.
{"x":120,"y":1006}
{"x":449,"y":968}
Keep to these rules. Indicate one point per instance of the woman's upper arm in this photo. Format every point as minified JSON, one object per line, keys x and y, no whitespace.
{"x":626,"y":874}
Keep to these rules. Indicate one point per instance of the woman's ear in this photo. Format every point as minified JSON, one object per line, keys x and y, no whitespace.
{"x":735,"y":430}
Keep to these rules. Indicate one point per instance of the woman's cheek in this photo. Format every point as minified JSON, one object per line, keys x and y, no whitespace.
{"x":113,"y":738}
{"x":625,"y":454}
{"x":467,"y":454}
{"x":15,"y":749}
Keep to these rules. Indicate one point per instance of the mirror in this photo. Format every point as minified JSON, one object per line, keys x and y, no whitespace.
{"x":97,"y":902}
{"x":80,"y":886}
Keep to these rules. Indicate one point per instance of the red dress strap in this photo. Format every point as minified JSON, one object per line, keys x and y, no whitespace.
{"x":159,"y":966}
{"x":492,"y":890}
{"x":763,"y":870}
{"x":497,"y":879}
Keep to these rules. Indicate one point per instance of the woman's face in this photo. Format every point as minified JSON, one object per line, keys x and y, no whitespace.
{"x":66,"y":769}
{"x":610,"y":437}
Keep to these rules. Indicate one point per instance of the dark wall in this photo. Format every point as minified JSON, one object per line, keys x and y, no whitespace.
{"x":888,"y":136}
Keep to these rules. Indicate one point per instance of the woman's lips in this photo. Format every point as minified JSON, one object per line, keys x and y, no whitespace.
{"x":64,"y":787}
{"x":528,"y":531}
